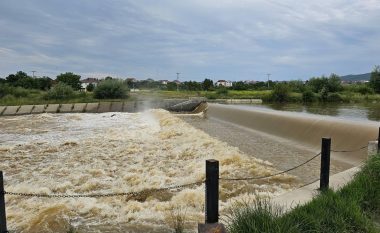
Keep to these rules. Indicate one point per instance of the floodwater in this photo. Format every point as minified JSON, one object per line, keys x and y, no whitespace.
{"x":290,"y":134}
{"x":356,"y":112}
{"x":120,"y":152}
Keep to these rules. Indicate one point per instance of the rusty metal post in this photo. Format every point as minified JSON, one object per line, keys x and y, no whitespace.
{"x":212,"y":191}
{"x":325,"y":164}
{"x":3,"y":217}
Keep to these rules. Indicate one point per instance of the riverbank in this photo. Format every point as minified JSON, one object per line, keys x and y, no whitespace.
{"x":38,"y":97}
{"x":353,"y":208}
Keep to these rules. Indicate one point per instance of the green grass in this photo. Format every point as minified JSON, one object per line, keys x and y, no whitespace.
{"x":354,"y":208}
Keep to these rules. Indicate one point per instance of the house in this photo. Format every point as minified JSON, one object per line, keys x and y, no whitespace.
{"x":223,"y":83}
{"x":164,"y":82}
{"x":85,"y":82}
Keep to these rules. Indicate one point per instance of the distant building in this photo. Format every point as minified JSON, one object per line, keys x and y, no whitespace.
{"x":223,"y":83}
{"x":85,"y":82}
{"x":164,"y":82}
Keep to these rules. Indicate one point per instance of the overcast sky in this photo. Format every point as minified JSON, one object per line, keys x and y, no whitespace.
{"x":217,"y":39}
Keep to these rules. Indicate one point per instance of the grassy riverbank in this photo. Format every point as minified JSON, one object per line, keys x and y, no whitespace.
{"x":354,"y":208}
{"x":38,"y":97}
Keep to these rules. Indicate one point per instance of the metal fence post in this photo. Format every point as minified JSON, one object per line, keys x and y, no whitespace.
{"x":212,"y":191}
{"x":325,"y":163}
{"x":3,"y":217}
{"x":378,"y":141}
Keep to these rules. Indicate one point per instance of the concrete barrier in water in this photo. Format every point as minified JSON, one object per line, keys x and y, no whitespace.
{"x":92,"y":108}
{"x":11,"y":110}
{"x":52,"y":108}
{"x":104,"y":107}
{"x":177,"y":105}
{"x":2,"y":108}
{"x":79,"y":107}
{"x":117,"y":106}
{"x":25,"y":109}
{"x":65,"y":108}
{"x":38,"y":109}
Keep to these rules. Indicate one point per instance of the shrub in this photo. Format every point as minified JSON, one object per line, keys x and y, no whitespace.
{"x":60,"y":91}
{"x":365,"y":90}
{"x":308,"y":96}
{"x":111,"y":89}
{"x":280,"y":93}
{"x":222,"y":91}
{"x":90,"y":87}
{"x":14,"y":91}
{"x":334,"y":97}
{"x":323,"y":94}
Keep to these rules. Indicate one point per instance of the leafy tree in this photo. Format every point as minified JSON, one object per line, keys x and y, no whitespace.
{"x":240,"y":86}
{"x":374,"y":81}
{"x":60,"y":91}
{"x":207,"y":84}
{"x":171,"y":86}
{"x":334,"y":83}
{"x":13,"y":79}
{"x":70,"y":79}
{"x":90,"y":87}
{"x":296,"y":86}
{"x":308,"y":96}
{"x":43,"y":83}
{"x":280,"y":92}
{"x":316,"y":84}
{"x":111,"y":89}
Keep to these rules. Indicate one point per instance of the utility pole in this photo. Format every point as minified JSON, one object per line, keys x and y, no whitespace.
{"x":178,"y":81}
{"x":33,"y":71}
{"x":268,"y":79}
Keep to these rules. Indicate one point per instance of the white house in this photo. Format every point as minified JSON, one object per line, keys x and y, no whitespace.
{"x":85,"y":82}
{"x":223,"y":83}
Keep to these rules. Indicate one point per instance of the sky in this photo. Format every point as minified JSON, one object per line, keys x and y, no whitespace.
{"x":216,"y":39}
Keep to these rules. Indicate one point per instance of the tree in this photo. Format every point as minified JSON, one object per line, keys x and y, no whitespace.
{"x":280,"y":92}
{"x":111,"y":89}
{"x":334,"y":83}
{"x":13,"y":79}
{"x":240,"y":86}
{"x":374,"y":81}
{"x":70,"y":79}
{"x":90,"y":87}
{"x":207,"y":84}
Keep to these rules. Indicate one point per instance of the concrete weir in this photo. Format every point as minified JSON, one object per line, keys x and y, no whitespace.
{"x":176,"y":105}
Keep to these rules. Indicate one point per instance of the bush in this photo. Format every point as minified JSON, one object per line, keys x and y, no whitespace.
{"x":334,"y":97}
{"x":60,"y":91}
{"x":222,"y":91}
{"x":308,"y":96}
{"x":111,"y":89}
{"x":365,"y":90}
{"x":280,"y":93}
{"x":90,"y":87}
{"x":14,"y":91}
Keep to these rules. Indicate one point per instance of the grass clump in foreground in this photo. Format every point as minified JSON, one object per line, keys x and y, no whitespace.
{"x":353,"y":208}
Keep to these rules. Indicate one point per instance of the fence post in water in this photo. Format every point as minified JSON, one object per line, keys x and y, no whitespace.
{"x":378,"y":141}
{"x":212,"y":191}
{"x":325,"y":164}
{"x":3,"y":218}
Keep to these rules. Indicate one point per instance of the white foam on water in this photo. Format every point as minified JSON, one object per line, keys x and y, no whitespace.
{"x":112,"y":153}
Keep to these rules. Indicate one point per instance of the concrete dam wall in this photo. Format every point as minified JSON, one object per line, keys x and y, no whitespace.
{"x":175,"y":105}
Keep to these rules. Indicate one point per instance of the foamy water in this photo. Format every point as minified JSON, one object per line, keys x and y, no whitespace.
{"x":113,"y":153}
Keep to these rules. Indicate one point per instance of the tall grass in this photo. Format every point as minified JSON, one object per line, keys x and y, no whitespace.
{"x":351,"y":209}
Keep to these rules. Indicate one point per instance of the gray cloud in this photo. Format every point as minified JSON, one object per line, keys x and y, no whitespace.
{"x":223,"y":39}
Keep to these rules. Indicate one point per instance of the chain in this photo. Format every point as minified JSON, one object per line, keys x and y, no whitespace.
{"x":276,"y":174}
{"x":98,"y":195}
{"x":346,"y":151}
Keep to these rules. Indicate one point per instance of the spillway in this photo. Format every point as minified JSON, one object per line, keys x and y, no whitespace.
{"x":302,"y":130}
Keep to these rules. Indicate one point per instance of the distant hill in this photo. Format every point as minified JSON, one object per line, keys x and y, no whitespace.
{"x":356,"y":77}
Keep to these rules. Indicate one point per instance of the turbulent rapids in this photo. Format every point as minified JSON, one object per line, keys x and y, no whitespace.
{"x":113,"y":153}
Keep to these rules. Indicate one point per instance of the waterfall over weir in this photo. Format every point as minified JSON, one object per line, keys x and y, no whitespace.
{"x":305,"y":130}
